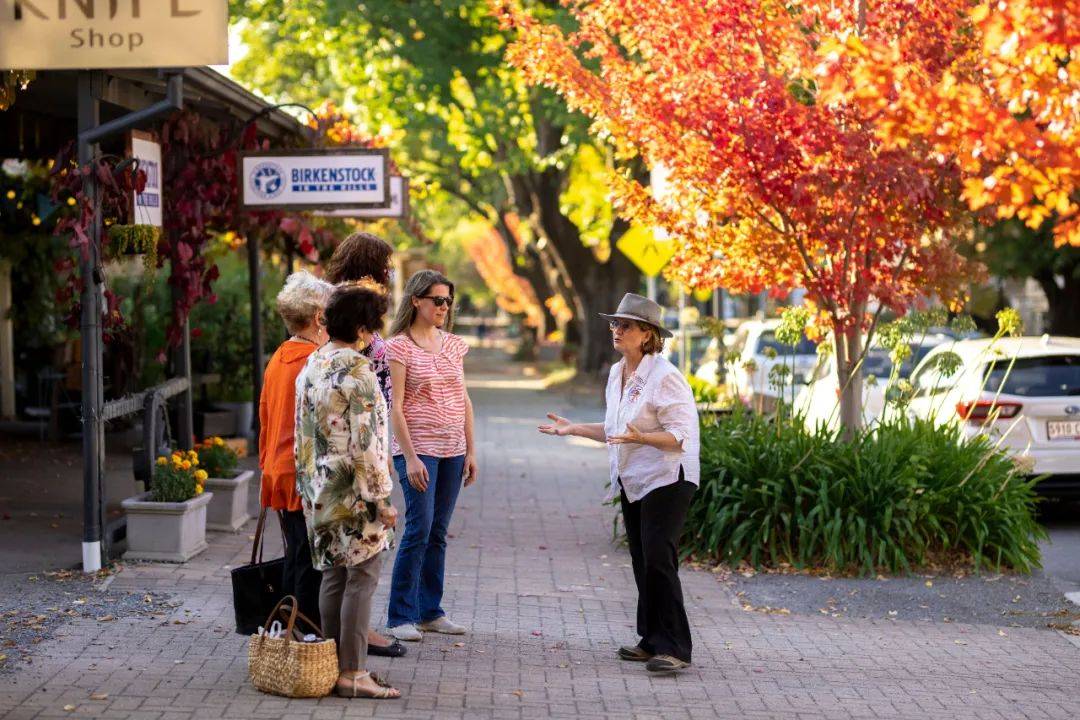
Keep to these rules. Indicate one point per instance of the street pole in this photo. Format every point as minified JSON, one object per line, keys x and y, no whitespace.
{"x":93,"y":430}
{"x":254,"y":284}
{"x":650,"y":284}
{"x":91,"y":132}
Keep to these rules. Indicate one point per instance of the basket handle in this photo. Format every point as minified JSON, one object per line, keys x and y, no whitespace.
{"x":288,"y":605}
{"x":301,"y":616}
{"x":294,"y":609}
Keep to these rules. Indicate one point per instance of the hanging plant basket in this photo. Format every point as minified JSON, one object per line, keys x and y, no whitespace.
{"x":136,"y":240}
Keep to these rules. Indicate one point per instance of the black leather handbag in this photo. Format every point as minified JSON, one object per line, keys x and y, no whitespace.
{"x":257,"y":586}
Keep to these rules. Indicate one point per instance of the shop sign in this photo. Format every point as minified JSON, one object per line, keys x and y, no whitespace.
{"x":324,"y":179}
{"x":86,"y":34}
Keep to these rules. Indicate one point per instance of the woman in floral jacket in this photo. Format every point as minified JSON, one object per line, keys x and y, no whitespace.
{"x":365,"y":256}
{"x":342,"y":442}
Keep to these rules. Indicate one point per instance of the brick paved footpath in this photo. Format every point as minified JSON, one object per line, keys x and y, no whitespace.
{"x":533,"y":571}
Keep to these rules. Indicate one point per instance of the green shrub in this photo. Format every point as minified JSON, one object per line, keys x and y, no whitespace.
{"x":704,"y":391}
{"x":895,"y":498}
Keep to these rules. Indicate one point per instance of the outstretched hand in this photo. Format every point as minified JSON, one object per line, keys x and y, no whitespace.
{"x":559,"y":426}
{"x":632,"y":436}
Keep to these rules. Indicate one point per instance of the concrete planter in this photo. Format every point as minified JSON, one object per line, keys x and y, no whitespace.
{"x":228,"y":510}
{"x":173,"y":532}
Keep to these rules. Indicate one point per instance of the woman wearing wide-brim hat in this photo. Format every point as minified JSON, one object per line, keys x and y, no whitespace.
{"x":651,"y":429}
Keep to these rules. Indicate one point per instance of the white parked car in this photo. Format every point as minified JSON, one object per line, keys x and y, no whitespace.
{"x":1022,"y":392}
{"x":753,"y":341}
{"x":818,"y":401}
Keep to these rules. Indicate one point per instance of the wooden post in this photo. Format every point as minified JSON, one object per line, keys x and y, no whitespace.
{"x":7,"y":345}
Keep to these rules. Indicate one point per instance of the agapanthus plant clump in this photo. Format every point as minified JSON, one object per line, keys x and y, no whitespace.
{"x":217,"y":458}
{"x":178,"y":478}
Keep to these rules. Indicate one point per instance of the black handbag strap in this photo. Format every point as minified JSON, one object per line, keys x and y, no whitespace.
{"x":257,"y":545}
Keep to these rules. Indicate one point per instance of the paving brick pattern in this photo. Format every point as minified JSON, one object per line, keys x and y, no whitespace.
{"x":533,"y":571}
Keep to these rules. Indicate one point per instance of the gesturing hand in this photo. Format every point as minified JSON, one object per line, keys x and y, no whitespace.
{"x":559,"y":426}
{"x":632,"y":436}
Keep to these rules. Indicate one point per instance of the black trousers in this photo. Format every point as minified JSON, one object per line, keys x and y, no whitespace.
{"x":653,"y":526}
{"x":301,"y":579}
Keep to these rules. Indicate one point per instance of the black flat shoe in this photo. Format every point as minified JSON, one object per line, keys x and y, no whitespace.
{"x":394,"y":649}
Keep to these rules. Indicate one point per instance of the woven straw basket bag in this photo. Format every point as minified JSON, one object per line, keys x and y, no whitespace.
{"x":288,"y":666}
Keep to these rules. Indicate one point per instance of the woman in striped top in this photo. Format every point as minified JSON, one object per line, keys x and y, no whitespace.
{"x":432,"y":419}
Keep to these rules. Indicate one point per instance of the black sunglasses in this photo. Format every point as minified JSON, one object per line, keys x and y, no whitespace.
{"x":439,"y":300}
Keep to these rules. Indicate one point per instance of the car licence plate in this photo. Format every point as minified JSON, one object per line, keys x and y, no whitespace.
{"x":1063,"y":430}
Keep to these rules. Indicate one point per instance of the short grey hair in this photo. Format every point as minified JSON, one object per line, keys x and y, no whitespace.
{"x":303,"y":296}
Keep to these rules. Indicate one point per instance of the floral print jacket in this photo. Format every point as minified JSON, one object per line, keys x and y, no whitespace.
{"x":342,"y":437}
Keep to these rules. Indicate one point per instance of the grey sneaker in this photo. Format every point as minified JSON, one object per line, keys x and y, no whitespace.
{"x":442,"y":625}
{"x":406,"y":632}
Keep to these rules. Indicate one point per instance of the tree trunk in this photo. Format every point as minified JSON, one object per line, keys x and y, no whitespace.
{"x":848,"y":347}
{"x":1064,"y":302}
{"x":595,"y":287}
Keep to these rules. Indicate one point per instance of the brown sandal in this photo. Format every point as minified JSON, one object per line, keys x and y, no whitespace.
{"x":350,"y":689}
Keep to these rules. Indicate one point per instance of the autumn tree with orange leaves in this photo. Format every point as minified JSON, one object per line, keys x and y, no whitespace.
{"x":999,"y":96}
{"x":771,"y":186}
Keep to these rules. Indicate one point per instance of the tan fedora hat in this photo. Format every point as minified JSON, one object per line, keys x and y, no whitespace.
{"x":642,"y":309}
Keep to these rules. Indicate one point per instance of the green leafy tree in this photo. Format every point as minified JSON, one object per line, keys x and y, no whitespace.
{"x":475,"y":134}
{"x":1011,"y":249}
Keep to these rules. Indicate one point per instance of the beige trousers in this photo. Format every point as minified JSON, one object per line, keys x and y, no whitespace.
{"x":345,"y":605}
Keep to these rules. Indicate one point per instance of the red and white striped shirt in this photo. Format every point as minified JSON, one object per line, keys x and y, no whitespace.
{"x":434,"y":402}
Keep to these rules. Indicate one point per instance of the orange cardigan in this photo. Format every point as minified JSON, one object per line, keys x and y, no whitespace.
{"x":277,"y":421}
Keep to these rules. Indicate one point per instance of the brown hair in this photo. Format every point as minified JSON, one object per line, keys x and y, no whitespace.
{"x":653,"y":343}
{"x":352,"y":307}
{"x":360,"y":255}
{"x":418,"y":286}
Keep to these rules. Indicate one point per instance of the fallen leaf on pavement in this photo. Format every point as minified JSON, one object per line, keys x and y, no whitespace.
{"x":106,"y":618}
{"x":69,"y":708}
{"x":99,"y":696}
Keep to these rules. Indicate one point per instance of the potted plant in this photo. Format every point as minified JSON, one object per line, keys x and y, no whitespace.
{"x":228,"y":509}
{"x":169,"y":522}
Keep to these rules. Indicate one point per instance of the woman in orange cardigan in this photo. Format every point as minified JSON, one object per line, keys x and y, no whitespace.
{"x":300,"y":304}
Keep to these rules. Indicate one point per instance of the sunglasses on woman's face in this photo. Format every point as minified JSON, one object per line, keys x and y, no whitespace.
{"x":620,"y":325}
{"x":439,"y":300}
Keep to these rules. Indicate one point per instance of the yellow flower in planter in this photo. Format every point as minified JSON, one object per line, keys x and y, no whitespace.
{"x":201,"y":475}
{"x":162,"y":461}
{"x":186,"y":464}
{"x":199,"y":490}
{"x":219,"y":442}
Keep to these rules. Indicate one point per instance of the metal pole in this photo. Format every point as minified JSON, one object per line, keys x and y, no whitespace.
{"x":650,"y":284}
{"x":92,"y":393}
{"x":254,"y":284}
{"x":185,"y":422}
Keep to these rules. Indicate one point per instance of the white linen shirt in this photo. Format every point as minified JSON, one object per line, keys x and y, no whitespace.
{"x":657,"y":399}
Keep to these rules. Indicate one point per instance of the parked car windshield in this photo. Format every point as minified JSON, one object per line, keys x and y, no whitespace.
{"x":1048,"y":376}
{"x":768,"y":340}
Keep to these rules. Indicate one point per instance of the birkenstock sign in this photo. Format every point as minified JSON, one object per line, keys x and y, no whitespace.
{"x":84,"y":34}
{"x":322,"y":179}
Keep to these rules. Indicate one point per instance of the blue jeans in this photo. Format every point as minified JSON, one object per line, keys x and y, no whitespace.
{"x":416,"y":586}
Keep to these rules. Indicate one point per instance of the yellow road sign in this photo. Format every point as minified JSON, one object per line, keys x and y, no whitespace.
{"x":642,"y":248}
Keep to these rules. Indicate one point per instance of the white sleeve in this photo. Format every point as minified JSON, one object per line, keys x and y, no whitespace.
{"x":675,"y":408}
